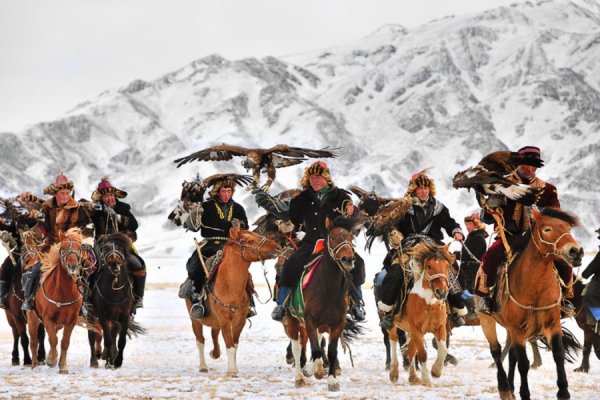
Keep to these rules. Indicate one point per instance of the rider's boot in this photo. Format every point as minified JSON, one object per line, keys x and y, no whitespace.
{"x":139,"y":284}
{"x":198,"y":310}
{"x":281,"y":309}
{"x":357,"y":310}
{"x":3,"y":293}
{"x":387,"y":319}
{"x":30,"y":280}
{"x":486,"y":305}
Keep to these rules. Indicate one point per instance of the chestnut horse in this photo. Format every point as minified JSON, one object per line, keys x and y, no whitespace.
{"x":424,"y":311}
{"x":58,"y":300}
{"x":228,"y":298}
{"x":325,"y":304}
{"x":113,"y":300}
{"x":529,"y":298}
{"x":16,"y":317}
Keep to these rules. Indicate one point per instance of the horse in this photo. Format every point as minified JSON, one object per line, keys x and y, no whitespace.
{"x":16,"y":317}
{"x":58,"y":300}
{"x":591,"y":337}
{"x":228,"y":299}
{"x":424,"y":311}
{"x":112,"y":299}
{"x":325,"y":305}
{"x":529,"y":298}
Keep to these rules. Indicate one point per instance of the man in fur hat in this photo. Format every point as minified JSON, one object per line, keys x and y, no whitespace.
{"x":473,"y":249}
{"x":423,"y":221}
{"x":62,"y":213}
{"x":319,"y":200}
{"x":517,"y":220}
{"x":112,"y":215}
{"x":220,"y":212}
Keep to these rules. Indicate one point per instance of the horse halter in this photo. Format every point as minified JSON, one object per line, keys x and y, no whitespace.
{"x":335,"y":250}
{"x":552,"y":244}
{"x":116,"y":270}
{"x":66,"y":253}
{"x":255,"y":249}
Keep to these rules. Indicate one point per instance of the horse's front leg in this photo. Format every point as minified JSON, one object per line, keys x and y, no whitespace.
{"x":442,"y":351}
{"x":52,"y":358}
{"x":587,"y":350}
{"x":32,"y":326}
{"x":41,"y":351}
{"x":230,"y":346}
{"x":393,"y":351}
{"x":558,"y":353}
{"x":93,"y":355}
{"x":124,"y":325}
{"x":15,"y":350}
{"x":64,"y":347}
{"x":297,"y":347}
{"x":109,"y":343}
{"x":488,"y":325}
{"x":523,"y":365}
{"x":315,"y":365}
{"x":332,"y":383}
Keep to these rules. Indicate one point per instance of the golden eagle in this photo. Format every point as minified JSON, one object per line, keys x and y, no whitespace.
{"x":490,"y":178}
{"x":258,"y":160}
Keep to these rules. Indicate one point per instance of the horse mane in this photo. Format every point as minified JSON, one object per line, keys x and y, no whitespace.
{"x":423,"y":251}
{"x":119,"y":239}
{"x":348,"y":223}
{"x":566,"y":216}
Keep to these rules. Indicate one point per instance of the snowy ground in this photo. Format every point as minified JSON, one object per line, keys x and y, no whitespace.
{"x":164,"y":364}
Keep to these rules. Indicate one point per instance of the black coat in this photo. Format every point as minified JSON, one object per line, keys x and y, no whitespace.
{"x":476,"y":244}
{"x":308,"y":213}
{"x":126,"y":223}
{"x":429,"y":222}
{"x":593,"y":269}
{"x":216,"y":223}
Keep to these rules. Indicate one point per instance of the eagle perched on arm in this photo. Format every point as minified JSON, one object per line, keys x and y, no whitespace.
{"x":490,"y":177}
{"x":258,"y":160}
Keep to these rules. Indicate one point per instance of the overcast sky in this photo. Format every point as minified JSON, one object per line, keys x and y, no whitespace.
{"x":55,"y":54}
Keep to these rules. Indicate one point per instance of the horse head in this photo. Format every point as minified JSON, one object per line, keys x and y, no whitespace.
{"x":339,"y":240}
{"x":70,"y":252}
{"x":29,"y":249}
{"x":113,"y":251}
{"x":252,"y":246}
{"x":432,"y":264}
{"x":551,"y":235}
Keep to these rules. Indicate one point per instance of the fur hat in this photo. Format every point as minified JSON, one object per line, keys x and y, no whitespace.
{"x":531,"y":151}
{"x":317,"y":168}
{"x":471,"y":218}
{"x":474,"y":218}
{"x":226,"y":182}
{"x":104,"y":187}
{"x":419,"y":179}
{"x":61,"y":182}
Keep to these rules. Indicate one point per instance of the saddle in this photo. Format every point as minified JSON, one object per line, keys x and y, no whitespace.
{"x":296,"y":304}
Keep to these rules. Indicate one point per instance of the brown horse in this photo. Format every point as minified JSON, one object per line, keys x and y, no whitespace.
{"x":529,"y":298}
{"x":228,"y":299}
{"x":58,"y":300}
{"x":424,"y":311}
{"x":325,"y":304}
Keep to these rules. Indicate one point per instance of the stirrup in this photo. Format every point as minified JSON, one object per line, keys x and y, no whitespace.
{"x":251,"y":312}
{"x":485,"y":306}
{"x":138,"y":302}
{"x":358,"y":312}
{"x":456,"y":320}
{"x":387,"y":320}
{"x":197,"y":311}
{"x":278,"y":313}
{"x":28,"y":305}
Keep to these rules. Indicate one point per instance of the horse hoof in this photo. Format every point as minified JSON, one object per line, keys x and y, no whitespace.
{"x":289,"y":360}
{"x":16,"y":363}
{"x":232,"y":374}
{"x":320,"y":374}
{"x":414,"y":381}
{"x":504,"y":395}
{"x":582,"y":369}
{"x":93,"y":364}
{"x":436,"y":372}
{"x":214,"y":355}
{"x":64,"y":371}
{"x":394,"y":375}
{"x":450,"y":359}
{"x":109,"y":366}
{"x":203,"y":370}
{"x":306,"y":373}
{"x":51,"y":364}
{"x":300,"y":383}
{"x":333,"y":387}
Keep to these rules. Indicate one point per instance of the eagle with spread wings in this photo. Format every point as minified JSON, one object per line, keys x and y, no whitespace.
{"x":490,"y":178}
{"x":258,"y":160}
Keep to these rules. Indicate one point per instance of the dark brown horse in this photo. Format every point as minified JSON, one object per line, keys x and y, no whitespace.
{"x":16,"y":318}
{"x":424,"y":311}
{"x":228,"y":299}
{"x":591,"y":338}
{"x":325,"y":304}
{"x":529,"y":298}
{"x":112,"y":299}
{"x":58,"y":300}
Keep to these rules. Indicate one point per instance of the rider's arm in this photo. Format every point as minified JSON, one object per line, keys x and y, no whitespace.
{"x":593,"y":267}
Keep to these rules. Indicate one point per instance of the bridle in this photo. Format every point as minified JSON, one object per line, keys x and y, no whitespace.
{"x":554,"y":244}
{"x":113,"y":268}
{"x":336,"y":249}
{"x":69,"y":251}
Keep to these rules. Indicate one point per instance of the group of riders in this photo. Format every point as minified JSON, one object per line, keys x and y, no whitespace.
{"x":106,"y":214}
{"x":319,"y":199}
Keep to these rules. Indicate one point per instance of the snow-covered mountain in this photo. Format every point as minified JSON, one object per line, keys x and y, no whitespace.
{"x":397,"y":101}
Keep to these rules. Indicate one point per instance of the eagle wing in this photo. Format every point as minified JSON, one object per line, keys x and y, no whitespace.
{"x":240,"y":180}
{"x":215,"y":153}
{"x":301,"y":152}
{"x":386,"y":218}
{"x":280,"y":162}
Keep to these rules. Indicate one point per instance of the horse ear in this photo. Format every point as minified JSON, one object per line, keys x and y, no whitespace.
{"x":536,"y":213}
{"x":328,"y":223}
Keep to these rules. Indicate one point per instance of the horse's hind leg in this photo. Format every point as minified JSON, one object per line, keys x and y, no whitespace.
{"x":393,"y":344}
{"x":296,"y":347}
{"x":587,"y":350}
{"x":216,"y":350}
{"x":386,"y":343}
{"x":537,"y":358}
{"x":315,"y":365}
{"x":25,"y":347}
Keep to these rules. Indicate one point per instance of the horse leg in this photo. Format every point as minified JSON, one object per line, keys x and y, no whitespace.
{"x":216,"y":350}
{"x":64,"y":347}
{"x":25,"y":346}
{"x":41,"y":350}
{"x":15,"y":350}
{"x":587,"y":350}
{"x":537,"y":358}
{"x":197,"y":327}
{"x":523,"y":364}
{"x":33,"y":322}
{"x":488,"y":325}
{"x":403,"y":341}
{"x":386,"y":343}
{"x":289,"y":355}
{"x":92,"y":342}
{"x":393,"y":344}
{"x":315,"y":366}
{"x":122,"y":340}
{"x":53,"y":340}
{"x":332,"y":383}
{"x":558,"y":353}
{"x":296,"y":347}
{"x":108,"y":343}
{"x":438,"y":365}
{"x":412,"y":351}
{"x":230,"y":346}
{"x":513,"y":359}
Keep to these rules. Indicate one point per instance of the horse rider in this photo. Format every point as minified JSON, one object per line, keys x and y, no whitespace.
{"x":111,"y":215}
{"x":62,"y":213}
{"x":473,"y":249}
{"x":517,"y":221}
{"x":319,"y":199}
{"x":591,"y":296}
{"x":424,"y":221}
{"x":220,"y":211}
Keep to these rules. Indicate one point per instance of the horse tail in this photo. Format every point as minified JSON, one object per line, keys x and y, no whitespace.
{"x":571,"y":344}
{"x":352,"y":330}
{"x":134,"y":329}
